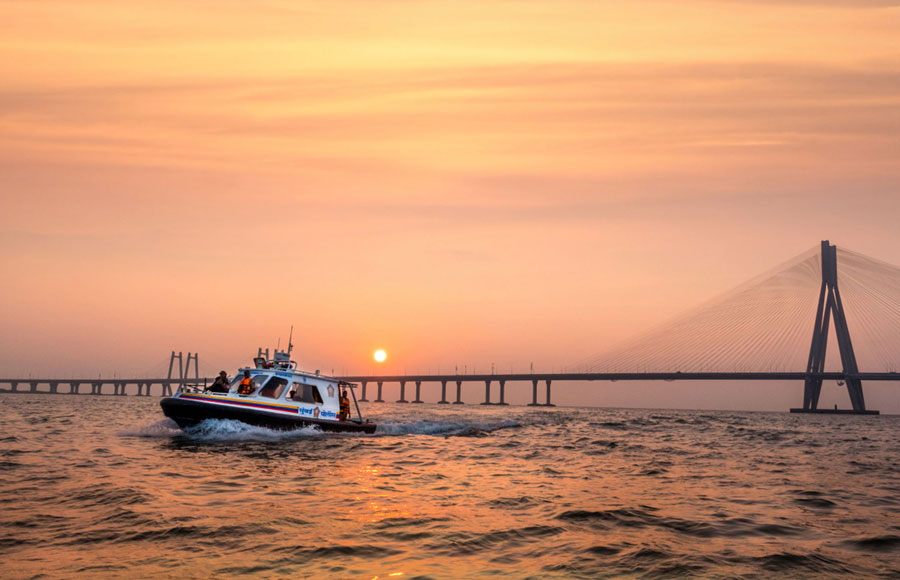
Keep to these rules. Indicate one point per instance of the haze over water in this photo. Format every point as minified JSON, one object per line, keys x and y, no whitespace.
{"x":106,"y":488}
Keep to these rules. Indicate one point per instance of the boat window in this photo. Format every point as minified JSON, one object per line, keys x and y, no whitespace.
{"x":305,"y":393}
{"x":273,"y":388}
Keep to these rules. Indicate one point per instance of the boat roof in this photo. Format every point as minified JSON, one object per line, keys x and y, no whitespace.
{"x":278,"y":369}
{"x":281,"y":363}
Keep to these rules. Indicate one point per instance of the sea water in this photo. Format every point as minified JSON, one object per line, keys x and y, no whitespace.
{"x":106,"y":487}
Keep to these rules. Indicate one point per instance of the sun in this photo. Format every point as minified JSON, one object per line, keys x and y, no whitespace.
{"x":380,"y":355}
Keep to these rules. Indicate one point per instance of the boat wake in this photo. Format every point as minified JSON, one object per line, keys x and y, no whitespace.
{"x":231,"y":430}
{"x":444,"y":428}
{"x":213,"y":430}
{"x":226,"y":430}
{"x":165,"y":428}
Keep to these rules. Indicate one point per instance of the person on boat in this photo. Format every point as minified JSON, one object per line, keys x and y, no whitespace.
{"x":345,"y":406}
{"x":247,"y":385}
{"x":220,"y":385}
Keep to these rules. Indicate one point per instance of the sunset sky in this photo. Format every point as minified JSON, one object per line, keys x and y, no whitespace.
{"x":459,"y":183}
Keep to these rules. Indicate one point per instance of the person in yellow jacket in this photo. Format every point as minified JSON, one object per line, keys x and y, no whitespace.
{"x":247,"y":385}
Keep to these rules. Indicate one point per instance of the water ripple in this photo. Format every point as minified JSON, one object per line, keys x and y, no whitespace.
{"x":103,"y":487}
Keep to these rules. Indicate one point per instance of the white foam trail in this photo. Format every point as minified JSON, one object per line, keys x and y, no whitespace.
{"x":229,"y":430}
{"x":218,"y":430}
{"x":163,"y":428}
{"x":441,"y":427}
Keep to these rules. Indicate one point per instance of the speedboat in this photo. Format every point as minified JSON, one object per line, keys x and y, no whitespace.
{"x":277,"y":395}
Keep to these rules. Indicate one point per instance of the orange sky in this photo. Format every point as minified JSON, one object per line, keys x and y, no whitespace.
{"x":459,"y":183}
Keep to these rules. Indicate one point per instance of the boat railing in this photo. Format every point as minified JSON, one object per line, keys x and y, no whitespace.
{"x":192,"y":387}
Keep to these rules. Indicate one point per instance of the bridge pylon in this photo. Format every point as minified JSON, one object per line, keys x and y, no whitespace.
{"x":831,"y":306}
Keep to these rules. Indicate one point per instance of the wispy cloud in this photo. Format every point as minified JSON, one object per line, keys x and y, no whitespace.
{"x":595,"y":120}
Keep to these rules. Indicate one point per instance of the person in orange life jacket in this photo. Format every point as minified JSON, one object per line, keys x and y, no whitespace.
{"x":247,"y":385}
{"x":345,"y":406}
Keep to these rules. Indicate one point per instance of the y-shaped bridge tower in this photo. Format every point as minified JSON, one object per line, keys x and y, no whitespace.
{"x":830,"y":305}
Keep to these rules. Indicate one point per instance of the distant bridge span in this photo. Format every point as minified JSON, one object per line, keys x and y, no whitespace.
{"x":549,"y":378}
{"x":73,"y":386}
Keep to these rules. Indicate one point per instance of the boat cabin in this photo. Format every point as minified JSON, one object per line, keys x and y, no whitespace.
{"x":318,"y":395}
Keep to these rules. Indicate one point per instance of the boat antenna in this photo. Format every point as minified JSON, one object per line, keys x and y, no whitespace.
{"x":290,"y":346}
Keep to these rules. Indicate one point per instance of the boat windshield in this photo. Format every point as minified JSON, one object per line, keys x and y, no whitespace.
{"x":273,"y":388}
{"x":258,"y":381}
{"x":305,"y":393}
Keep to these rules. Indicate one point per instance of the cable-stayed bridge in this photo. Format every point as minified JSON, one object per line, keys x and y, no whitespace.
{"x":777,"y":326}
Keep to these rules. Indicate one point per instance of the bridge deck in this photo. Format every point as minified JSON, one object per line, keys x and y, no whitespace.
{"x":166,"y":385}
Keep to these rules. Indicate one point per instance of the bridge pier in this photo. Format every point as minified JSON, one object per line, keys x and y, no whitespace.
{"x":533,"y":402}
{"x":73,"y":388}
{"x":34,"y":385}
{"x":402,"y":392}
{"x":458,"y":400}
{"x":14,"y":386}
{"x":418,"y":387}
{"x":54,"y":386}
{"x":364,"y":399}
{"x":502,"y":393}
{"x":167,"y":389}
{"x":487,"y":392}
{"x":379,"y":399}
{"x":443,"y":400}
{"x":548,"y":403}
{"x":96,"y":388}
